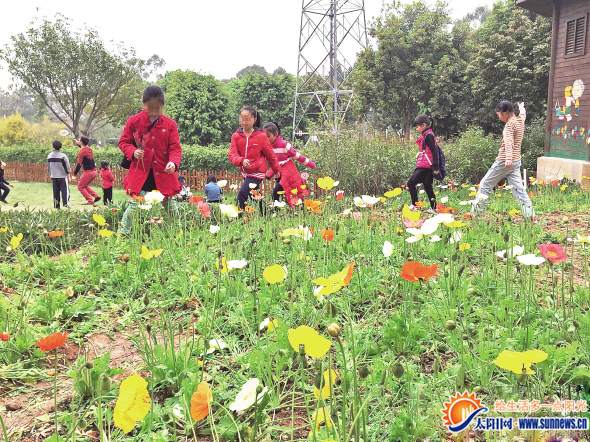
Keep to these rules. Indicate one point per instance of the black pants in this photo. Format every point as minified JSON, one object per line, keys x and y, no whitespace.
{"x":4,"y":191}
{"x":61,"y":193}
{"x":275,"y":191}
{"x":107,"y":196}
{"x":150,"y":183}
{"x":425,"y":177}
{"x":244,"y":192}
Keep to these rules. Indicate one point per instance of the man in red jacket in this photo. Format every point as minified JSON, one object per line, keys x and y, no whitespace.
{"x":85,"y":161}
{"x":151,"y":142}
{"x":250,"y":150}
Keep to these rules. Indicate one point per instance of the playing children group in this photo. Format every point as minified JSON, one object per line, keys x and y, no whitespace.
{"x":152,"y":154}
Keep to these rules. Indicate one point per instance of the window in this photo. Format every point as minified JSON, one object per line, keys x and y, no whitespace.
{"x":575,"y":36}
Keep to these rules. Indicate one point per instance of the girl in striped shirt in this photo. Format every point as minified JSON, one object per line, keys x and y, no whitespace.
{"x":508,"y":161}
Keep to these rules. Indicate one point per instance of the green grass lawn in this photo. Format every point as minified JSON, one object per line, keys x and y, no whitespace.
{"x":40,"y":196}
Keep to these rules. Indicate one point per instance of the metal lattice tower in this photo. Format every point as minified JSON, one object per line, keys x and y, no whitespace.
{"x":332,"y":33}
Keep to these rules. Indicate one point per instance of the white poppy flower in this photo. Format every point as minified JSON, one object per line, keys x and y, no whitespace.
{"x":435,"y":238}
{"x":233,"y":187}
{"x":365,"y":201}
{"x":222,"y":183}
{"x":472,"y":189}
{"x":214,"y":229}
{"x":264,"y":324}
{"x":421,"y":191}
{"x":387,"y":249}
{"x":145,"y":206}
{"x":252,"y":185}
{"x":236,"y":264}
{"x":509,"y":187}
{"x":228,"y":210}
{"x":441,"y":218}
{"x":516,"y":251}
{"x":279,"y":204}
{"x":413,"y":239}
{"x":347,"y":212}
{"x":216,"y":345}
{"x":247,"y":396}
{"x":455,"y":237}
{"x":466,"y":203}
{"x":530,"y":259}
{"x":153,"y":197}
{"x":444,"y":199}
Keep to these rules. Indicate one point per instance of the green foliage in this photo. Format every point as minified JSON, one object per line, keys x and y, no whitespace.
{"x":271,"y":94}
{"x":471,"y":155}
{"x":200,"y":105}
{"x":93,"y":379}
{"x":14,"y":130}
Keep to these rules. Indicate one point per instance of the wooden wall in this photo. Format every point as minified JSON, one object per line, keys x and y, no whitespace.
{"x":571,"y":139}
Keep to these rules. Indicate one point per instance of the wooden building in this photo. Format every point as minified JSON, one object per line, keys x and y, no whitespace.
{"x":567,"y":146}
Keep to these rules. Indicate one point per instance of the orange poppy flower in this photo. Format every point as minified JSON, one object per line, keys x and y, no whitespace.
{"x":313,"y":206}
{"x":420,"y":204}
{"x":414,"y":271}
{"x":328,"y":235}
{"x":55,"y":234}
{"x":138,"y":199}
{"x":441,"y":208}
{"x":340,"y":195}
{"x":256,"y":195}
{"x":52,"y":341}
{"x":200,"y":401}
{"x":195,"y":200}
{"x":4,"y":336}
{"x":249,"y":209}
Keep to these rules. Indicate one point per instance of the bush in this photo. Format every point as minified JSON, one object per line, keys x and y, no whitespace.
{"x":14,"y":129}
{"x":470,"y":156}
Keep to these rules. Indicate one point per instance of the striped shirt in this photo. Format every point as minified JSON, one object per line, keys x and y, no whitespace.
{"x":512,"y":138}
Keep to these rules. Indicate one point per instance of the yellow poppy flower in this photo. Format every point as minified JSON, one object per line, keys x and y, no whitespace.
{"x":322,"y":417}
{"x":221,"y":265}
{"x":393,"y":193}
{"x":563,"y":187}
{"x":327,"y":183}
{"x":274,"y":274}
{"x":3,"y":229}
{"x":15,"y":241}
{"x":314,"y":344}
{"x":464,"y":246}
{"x":410,"y":215}
{"x":333,"y":283}
{"x":148,"y":254}
{"x":455,"y":224}
{"x":519,"y":362}
{"x":514,"y":212}
{"x":133,"y":403}
{"x":105,"y":233}
{"x":472,"y":193}
{"x":330,"y":378}
{"x":99,"y":219}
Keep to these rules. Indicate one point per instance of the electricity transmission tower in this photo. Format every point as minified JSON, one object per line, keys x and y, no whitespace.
{"x":332,"y":32}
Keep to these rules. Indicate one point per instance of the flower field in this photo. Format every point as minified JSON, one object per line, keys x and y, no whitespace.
{"x":349,"y":318}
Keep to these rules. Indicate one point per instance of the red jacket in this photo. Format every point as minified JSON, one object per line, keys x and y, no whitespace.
{"x":161,"y":145}
{"x":107,"y":178}
{"x":85,"y":160}
{"x":255,"y":148}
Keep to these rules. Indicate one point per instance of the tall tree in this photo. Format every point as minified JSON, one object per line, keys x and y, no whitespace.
{"x":511,"y":59}
{"x":73,"y":73}
{"x":253,"y":69}
{"x":271,"y":94}
{"x":200,"y":105}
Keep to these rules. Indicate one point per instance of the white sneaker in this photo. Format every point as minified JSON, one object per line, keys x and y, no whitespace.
{"x":414,"y":208}
{"x":431,"y":211}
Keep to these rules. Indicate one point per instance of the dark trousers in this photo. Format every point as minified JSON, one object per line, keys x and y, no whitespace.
{"x":61,"y":193}
{"x":275,"y":191}
{"x":244,"y":192}
{"x":4,"y":191}
{"x":107,"y":196}
{"x":426,"y":177}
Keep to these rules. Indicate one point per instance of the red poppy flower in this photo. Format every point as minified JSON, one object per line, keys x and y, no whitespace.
{"x":340,"y":195}
{"x":328,"y":235}
{"x":204,"y":209}
{"x":414,"y":271}
{"x":4,"y":336}
{"x":195,"y":200}
{"x":554,"y":253}
{"x":52,"y":341}
{"x":555,"y":183}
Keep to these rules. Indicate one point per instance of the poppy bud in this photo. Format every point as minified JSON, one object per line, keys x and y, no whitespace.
{"x":334,"y":330}
{"x":301,"y":350}
{"x":148,"y":328}
{"x":88,"y":365}
{"x":364,"y":372}
{"x":450,"y":325}
{"x":146,"y":300}
{"x":398,"y":370}
{"x":506,"y":237}
{"x":259,"y":389}
{"x":461,"y":270}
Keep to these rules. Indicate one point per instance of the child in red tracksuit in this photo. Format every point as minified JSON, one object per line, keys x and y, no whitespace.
{"x":290,"y":181}
{"x":250,"y":150}
{"x":106,"y":175}
{"x":85,"y":161}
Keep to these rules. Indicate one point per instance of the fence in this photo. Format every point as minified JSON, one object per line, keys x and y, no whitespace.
{"x":37,"y":172}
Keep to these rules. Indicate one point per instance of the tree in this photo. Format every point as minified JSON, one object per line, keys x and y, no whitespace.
{"x":13,"y":130}
{"x":200,"y":105}
{"x":253,"y":69}
{"x":511,"y":59}
{"x":73,"y":73}
{"x":271,"y":94}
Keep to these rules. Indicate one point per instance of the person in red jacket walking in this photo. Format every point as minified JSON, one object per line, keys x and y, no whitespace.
{"x":150,"y":141}
{"x":107,"y":177}
{"x":290,"y":182}
{"x":85,"y":161}
{"x":250,"y":150}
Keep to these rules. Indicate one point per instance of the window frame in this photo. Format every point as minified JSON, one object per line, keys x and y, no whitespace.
{"x":575,"y":19}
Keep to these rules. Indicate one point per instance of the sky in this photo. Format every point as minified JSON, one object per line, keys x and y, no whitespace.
{"x":217,"y":37}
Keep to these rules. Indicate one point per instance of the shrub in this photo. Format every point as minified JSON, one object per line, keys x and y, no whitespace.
{"x":14,"y":129}
{"x":470,"y":156}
